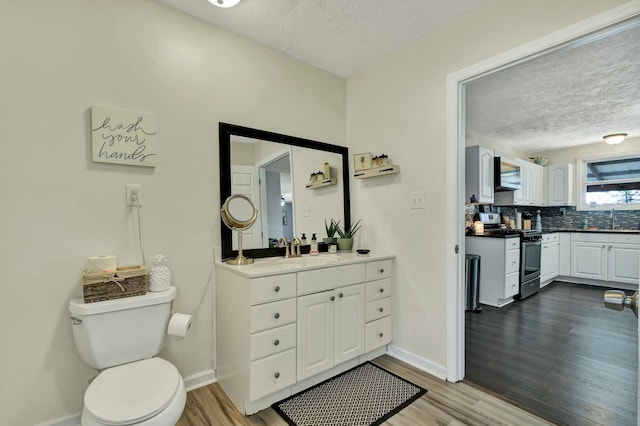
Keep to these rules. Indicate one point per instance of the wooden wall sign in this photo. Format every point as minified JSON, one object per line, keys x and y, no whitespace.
{"x":122,"y":137}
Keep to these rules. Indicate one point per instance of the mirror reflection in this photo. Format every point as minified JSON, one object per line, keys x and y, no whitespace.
{"x":274,"y":172}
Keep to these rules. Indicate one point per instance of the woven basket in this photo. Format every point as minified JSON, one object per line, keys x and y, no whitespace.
{"x":125,"y":282}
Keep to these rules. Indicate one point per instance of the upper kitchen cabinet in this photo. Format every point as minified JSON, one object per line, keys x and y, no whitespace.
{"x":479,"y":174}
{"x":531,"y":192}
{"x":559,"y":185}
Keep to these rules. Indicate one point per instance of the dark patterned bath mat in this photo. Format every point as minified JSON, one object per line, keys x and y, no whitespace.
{"x":364,"y":395}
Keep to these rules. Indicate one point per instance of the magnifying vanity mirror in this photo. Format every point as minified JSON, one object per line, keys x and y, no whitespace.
{"x":274,"y":171}
{"x":239,"y":214}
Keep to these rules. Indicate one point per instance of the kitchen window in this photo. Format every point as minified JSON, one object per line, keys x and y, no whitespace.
{"x":612,"y":182}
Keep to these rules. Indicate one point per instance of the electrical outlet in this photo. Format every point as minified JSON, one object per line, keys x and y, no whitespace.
{"x":130,"y":198}
{"x":418,"y":200}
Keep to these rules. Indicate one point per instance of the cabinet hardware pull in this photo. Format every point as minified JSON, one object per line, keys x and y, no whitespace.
{"x":603,"y":246}
{"x":277,"y":315}
{"x":381,"y":270}
{"x":332,"y":298}
{"x":381,"y":309}
{"x":276,"y":342}
{"x":381,"y":290}
{"x":381,"y":334}
{"x":340,"y":294}
{"x":277,"y":288}
{"x":610,"y":247}
{"x":277,"y":375}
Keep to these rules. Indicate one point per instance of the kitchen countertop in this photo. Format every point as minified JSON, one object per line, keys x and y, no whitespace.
{"x":554,"y":230}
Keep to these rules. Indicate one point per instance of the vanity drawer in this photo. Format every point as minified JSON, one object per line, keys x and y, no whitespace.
{"x":511,"y":261}
{"x":323,"y":279}
{"x":377,"y":309}
{"x":378,"y":289}
{"x":271,"y":374}
{"x":378,"y":270}
{"x":276,"y":287}
{"x":274,"y":314}
{"x":273,"y":341}
{"x":377,"y":333}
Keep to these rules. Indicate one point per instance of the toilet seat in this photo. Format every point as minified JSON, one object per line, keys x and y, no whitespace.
{"x":132,"y":393}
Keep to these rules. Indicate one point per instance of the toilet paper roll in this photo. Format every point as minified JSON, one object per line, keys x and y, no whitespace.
{"x":179,"y":325}
{"x":99,"y":264}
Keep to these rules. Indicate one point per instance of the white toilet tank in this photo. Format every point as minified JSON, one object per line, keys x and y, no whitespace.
{"x":118,"y":331}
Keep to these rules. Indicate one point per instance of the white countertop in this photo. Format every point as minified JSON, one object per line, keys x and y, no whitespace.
{"x":278,"y":265}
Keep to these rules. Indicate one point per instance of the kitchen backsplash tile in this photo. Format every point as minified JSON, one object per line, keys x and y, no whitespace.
{"x":552,"y":217}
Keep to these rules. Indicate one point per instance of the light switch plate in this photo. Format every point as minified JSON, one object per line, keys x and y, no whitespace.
{"x":417,"y":200}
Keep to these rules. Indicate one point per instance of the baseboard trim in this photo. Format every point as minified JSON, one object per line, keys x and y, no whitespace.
{"x":71,"y":420}
{"x":417,"y":361}
{"x":199,"y":380}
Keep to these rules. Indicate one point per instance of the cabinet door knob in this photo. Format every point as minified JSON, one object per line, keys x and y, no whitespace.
{"x":340,"y":294}
{"x":277,"y":315}
{"x":277,"y":375}
{"x":381,"y":290}
{"x":277,"y":288}
{"x":381,"y":270}
{"x":381,"y":334}
{"x":276,"y":342}
{"x":332,"y":298}
{"x":381,"y":309}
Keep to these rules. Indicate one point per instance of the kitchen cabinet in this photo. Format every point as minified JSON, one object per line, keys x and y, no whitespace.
{"x":565,"y":253}
{"x":559,"y":185}
{"x":499,"y":268}
{"x":549,"y":258}
{"x":531,"y":192}
{"x":281,"y":328}
{"x":606,"y":257}
{"x":479,"y":174}
{"x":623,"y":258}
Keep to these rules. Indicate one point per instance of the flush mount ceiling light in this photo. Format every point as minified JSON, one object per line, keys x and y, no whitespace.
{"x":224,"y":3}
{"x":614,"y":138}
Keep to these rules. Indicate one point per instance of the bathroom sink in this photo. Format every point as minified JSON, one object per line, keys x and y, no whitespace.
{"x":309,"y":260}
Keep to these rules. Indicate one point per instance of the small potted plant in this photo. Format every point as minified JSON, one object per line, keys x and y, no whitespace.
{"x":331,"y":228}
{"x":345,"y":240}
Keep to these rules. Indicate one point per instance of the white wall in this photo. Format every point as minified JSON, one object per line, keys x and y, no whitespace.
{"x":57,"y":60}
{"x":399,"y":107}
{"x":569,"y":155}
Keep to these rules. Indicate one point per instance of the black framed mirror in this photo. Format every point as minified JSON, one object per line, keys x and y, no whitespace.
{"x":274,"y":171}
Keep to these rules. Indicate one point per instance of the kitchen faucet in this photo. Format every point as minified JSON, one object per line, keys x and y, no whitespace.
{"x":613,"y":219}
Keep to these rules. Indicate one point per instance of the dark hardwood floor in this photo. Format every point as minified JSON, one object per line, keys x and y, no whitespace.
{"x":559,"y":354}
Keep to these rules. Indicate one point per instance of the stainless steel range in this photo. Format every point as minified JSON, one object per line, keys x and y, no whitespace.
{"x":530,"y":252}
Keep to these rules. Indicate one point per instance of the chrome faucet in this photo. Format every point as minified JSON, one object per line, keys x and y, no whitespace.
{"x":295,"y":247}
{"x":613,"y":219}
{"x":286,"y":247}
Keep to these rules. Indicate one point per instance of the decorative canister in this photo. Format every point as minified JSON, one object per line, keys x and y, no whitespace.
{"x":159,"y":276}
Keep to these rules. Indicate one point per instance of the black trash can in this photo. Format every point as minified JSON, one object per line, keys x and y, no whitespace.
{"x":472,"y":282}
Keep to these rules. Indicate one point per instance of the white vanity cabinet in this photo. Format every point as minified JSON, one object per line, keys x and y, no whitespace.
{"x":549,"y":258}
{"x":280,"y":329}
{"x":499,"y":268}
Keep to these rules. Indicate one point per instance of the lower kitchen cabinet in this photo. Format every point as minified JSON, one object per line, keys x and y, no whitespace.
{"x":606,"y":257}
{"x":549,"y":258}
{"x":499,"y":268}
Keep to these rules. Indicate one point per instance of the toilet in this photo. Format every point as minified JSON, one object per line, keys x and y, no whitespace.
{"x":121,"y":337}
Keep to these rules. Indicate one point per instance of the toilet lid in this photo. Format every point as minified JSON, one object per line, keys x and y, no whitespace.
{"x":132,"y":392}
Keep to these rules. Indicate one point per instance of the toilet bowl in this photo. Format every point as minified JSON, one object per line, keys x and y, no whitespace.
{"x":150,"y":392}
{"x":121,"y":338}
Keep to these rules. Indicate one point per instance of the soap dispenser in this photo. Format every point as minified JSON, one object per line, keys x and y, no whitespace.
{"x":538,"y":222}
{"x":313,"y":251}
{"x":303,"y":240}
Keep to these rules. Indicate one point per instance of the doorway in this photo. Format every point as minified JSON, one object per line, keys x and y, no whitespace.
{"x":455,"y":151}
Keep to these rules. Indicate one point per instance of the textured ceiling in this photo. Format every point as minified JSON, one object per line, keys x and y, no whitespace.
{"x":342,"y":37}
{"x":570,"y":97}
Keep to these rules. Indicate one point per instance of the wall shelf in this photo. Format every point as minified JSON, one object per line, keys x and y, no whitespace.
{"x":321,"y":184}
{"x":379,"y":171}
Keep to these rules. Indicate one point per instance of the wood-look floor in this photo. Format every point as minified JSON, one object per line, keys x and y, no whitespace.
{"x":559,"y":354}
{"x":444,"y":404}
